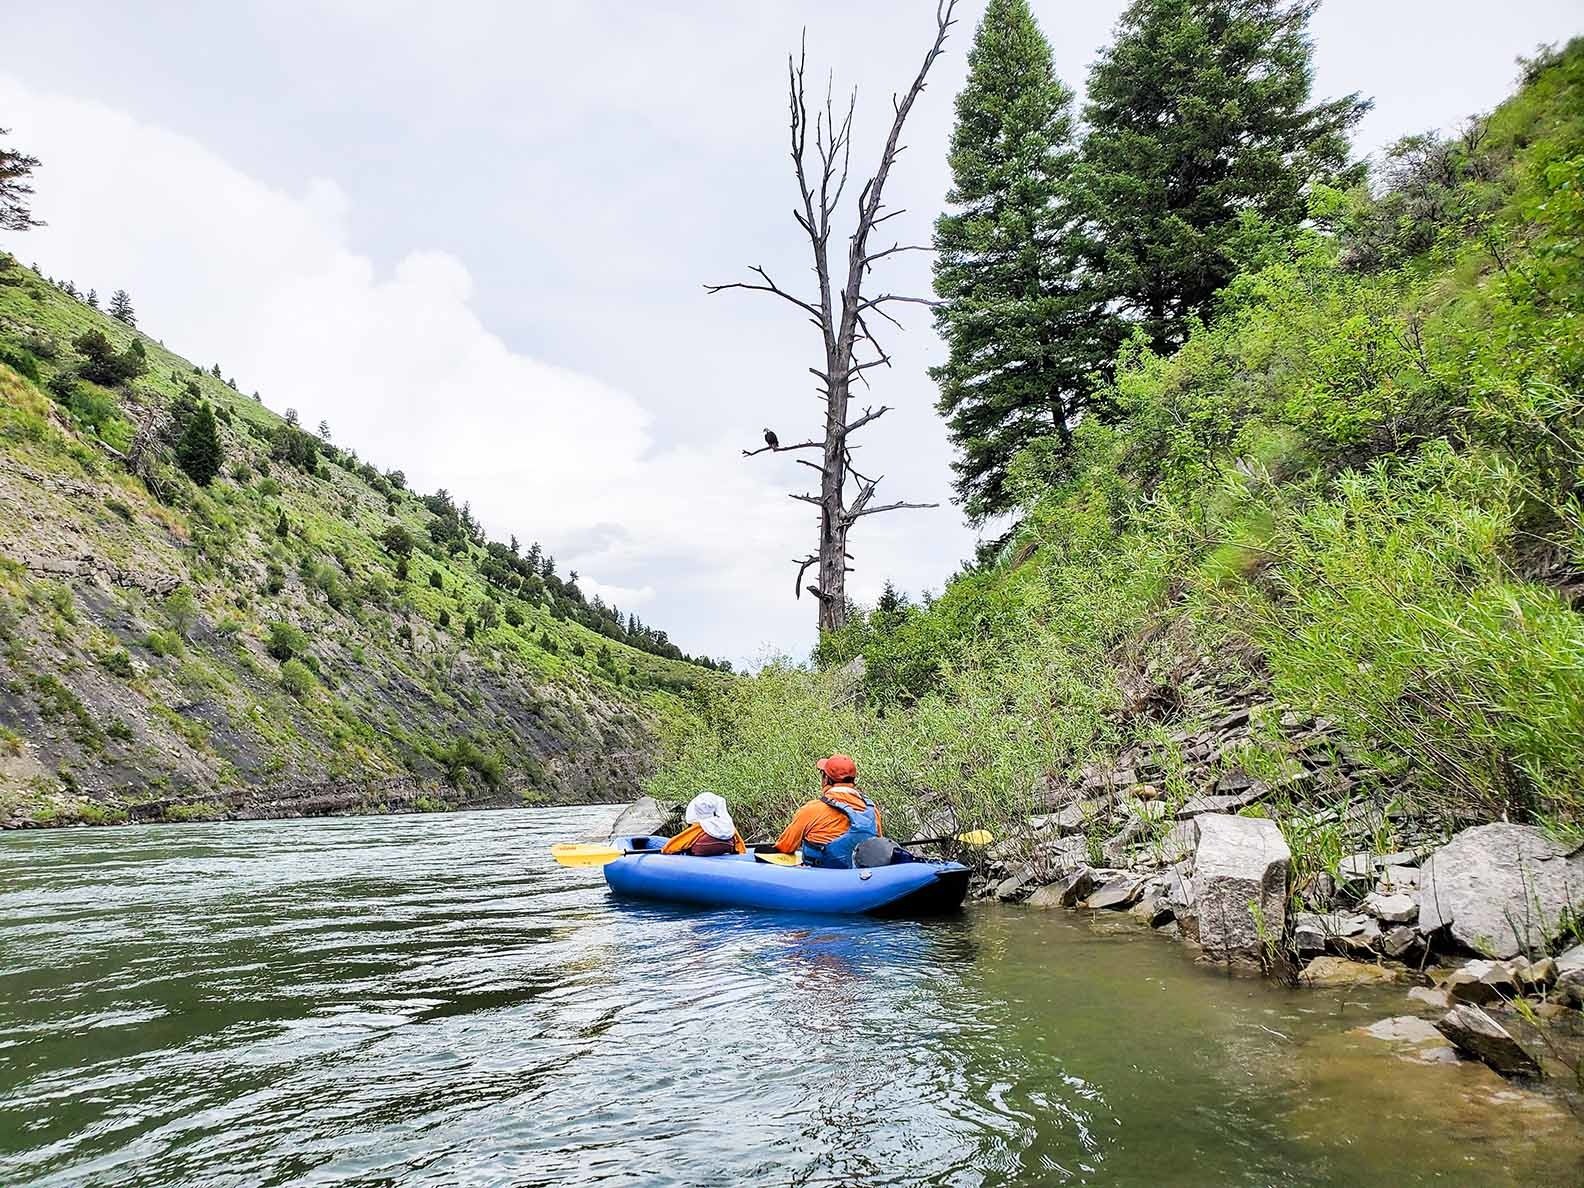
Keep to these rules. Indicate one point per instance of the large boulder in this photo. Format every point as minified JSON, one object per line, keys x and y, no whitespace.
{"x":1240,"y":885}
{"x":642,"y":817}
{"x":1473,"y":1031}
{"x":1502,"y":889}
{"x":1339,"y":971}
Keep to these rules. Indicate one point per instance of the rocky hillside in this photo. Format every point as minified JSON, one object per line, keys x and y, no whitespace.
{"x":207,"y":611}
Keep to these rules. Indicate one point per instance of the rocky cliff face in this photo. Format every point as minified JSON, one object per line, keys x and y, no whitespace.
{"x":254,"y":647}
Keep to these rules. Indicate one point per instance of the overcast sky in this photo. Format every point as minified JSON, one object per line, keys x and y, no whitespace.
{"x":472,"y":236}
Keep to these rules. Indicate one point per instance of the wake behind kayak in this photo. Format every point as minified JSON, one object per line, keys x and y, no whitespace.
{"x":739,"y":881}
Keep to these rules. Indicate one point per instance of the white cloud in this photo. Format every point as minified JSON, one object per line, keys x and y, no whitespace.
{"x":398,"y":362}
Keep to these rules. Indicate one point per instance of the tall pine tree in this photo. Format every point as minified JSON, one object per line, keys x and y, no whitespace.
{"x":1199,"y":116}
{"x":198,"y":451}
{"x":121,"y":307}
{"x":1023,"y":333}
{"x":16,"y":195}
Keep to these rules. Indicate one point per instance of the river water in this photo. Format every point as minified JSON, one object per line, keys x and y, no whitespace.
{"x":430,"y":1000}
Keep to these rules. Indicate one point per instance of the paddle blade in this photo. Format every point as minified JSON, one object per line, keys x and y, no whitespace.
{"x":584,"y":853}
{"x":976,"y":837}
{"x":776,"y":859}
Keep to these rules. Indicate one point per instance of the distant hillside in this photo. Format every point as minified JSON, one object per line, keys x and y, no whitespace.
{"x":298,"y":633}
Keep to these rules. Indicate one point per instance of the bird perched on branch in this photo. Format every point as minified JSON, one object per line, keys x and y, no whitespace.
{"x":772,"y":440}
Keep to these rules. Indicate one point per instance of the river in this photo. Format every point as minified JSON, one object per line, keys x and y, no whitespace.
{"x":430,"y":1000}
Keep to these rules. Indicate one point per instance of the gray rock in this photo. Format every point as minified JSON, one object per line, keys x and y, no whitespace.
{"x":1535,"y":977}
{"x":1179,"y":842}
{"x":1063,"y":855}
{"x":1393,"y":909}
{"x":1481,"y":981}
{"x":1077,"y":886}
{"x":645,"y":815}
{"x":1503,"y":889}
{"x":1012,"y":887}
{"x":1239,"y":862}
{"x":1222,"y":803}
{"x":1569,"y":986}
{"x":1400,"y":941}
{"x":1046,"y":897}
{"x":1153,"y":910}
{"x":1315,"y":931}
{"x":1119,"y":892}
{"x":1397,"y":878}
{"x":1471,"y":1030}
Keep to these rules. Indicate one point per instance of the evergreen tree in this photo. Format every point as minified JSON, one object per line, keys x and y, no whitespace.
{"x":1023,"y":332}
{"x":198,"y":451}
{"x":1201,"y":134}
{"x":282,"y":528}
{"x":92,"y":298}
{"x":15,"y":193}
{"x":121,"y":308}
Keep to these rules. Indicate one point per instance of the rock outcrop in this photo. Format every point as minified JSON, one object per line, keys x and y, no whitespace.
{"x":1240,"y":881}
{"x":1501,"y":889}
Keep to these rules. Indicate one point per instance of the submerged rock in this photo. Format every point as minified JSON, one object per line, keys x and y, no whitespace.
{"x":1473,"y":1031}
{"x":1414,"y":1038}
{"x":1502,"y":889}
{"x":1431,"y":997}
{"x":1240,"y":883}
{"x":1339,"y":971}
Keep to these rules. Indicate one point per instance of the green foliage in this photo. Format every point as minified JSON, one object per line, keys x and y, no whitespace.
{"x":282,"y":528}
{"x":297,"y":678}
{"x":463,"y":755}
{"x":164,"y":643}
{"x":198,"y":452}
{"x":181,"y":608}
{"x":1358,"y":483}
{"x":286,"y":641}
{"x":1201,"y":141}
{"x":436,"y":582}
{"x":398,"y":541}
{"x":101,"y":363}
{"x":1016,"y":313}
{"x":117,"y":662}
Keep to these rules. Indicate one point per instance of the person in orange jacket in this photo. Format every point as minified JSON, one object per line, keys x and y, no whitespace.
{"x":710,"y":831}
{"x":827,"y":831}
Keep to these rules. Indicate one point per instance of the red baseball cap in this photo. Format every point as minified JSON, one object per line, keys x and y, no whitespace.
{"x":839,"y":768}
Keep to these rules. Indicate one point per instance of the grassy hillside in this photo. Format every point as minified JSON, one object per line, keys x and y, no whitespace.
{"x":267,"y":642}
{"x":1353,"y":495}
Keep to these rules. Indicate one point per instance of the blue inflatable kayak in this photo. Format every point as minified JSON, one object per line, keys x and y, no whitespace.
{"x":741,"y":881}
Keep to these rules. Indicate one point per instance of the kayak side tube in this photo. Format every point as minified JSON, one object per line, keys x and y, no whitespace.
{"x":738,"y":881}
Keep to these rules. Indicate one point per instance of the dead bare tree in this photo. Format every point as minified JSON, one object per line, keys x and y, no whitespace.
{"x":842,"y":316}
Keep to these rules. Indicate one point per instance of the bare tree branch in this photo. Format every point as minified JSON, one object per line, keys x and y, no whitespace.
{"x":867,"y":417}
{"x":885,"y":507}
{"x":802,"y":445}
{"x":768,"y":287}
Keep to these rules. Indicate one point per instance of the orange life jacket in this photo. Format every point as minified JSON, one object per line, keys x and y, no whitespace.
{"x":693,"y":840}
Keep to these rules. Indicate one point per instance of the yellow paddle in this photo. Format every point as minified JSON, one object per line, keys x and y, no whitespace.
{"x":598,"y":854}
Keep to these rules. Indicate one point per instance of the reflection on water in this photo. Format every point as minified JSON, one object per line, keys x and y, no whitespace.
{"x":429,"y":1000}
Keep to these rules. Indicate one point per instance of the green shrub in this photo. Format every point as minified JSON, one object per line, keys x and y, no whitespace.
{"x":297,"y":678}
{"x":164,"y":643}
{"x":117,"y":662}
{"x":285,"y":641}
{"x":436,"y":582}
{"x":274,"y":579}
{"x":462,"y":755}
{"x":181,"y":609}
